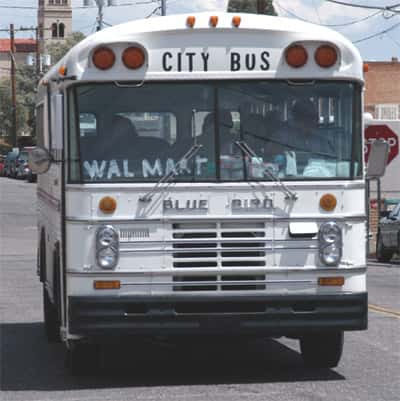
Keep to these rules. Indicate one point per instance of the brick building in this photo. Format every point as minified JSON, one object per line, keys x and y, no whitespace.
{"x":23,"y":47}
{"x":382,"y":100}
{"x":382,"y":93}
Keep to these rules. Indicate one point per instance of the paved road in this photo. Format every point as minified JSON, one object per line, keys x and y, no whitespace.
{"x":257,"y":370}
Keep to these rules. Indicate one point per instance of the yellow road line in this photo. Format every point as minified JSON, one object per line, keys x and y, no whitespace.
{"x":391,"y":312}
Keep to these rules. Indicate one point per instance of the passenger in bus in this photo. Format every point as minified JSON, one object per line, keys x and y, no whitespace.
{"x":301,"y":139}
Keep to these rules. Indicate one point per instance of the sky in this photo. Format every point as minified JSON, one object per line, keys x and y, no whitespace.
{"x":359,"y":23}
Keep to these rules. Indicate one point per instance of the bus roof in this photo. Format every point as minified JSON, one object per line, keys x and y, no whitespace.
{"x":173,"y":50}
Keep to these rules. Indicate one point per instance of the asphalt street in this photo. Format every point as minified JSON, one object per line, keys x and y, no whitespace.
{"x":175,"y":370}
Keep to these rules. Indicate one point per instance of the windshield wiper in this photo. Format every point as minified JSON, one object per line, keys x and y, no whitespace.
{"x":174,"y":171}
{"x":245,"y":148}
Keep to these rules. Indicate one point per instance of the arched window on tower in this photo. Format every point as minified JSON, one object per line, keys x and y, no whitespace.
{"x":54,"y":30}
{"x":61,"y":30}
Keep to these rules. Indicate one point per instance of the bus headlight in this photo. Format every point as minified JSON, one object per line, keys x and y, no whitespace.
{"x":330,"y":243}
{"x":107,"y":236}
{"x":107,"y":247}
{"x":107,"y":258}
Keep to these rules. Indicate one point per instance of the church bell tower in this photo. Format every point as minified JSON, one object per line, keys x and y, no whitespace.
{"x":54,"y":21}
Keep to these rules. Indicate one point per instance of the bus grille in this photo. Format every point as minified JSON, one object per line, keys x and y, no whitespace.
{"x":219,"y":246}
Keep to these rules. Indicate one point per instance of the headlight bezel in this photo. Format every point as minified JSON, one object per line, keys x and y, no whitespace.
{"x":330,"y":236}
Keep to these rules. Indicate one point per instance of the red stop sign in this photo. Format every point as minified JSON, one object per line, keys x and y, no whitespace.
{"x":381,"y":131}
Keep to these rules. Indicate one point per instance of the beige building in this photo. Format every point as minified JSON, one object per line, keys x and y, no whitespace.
{"x":54,"y":21}
{"x":23,"y":47}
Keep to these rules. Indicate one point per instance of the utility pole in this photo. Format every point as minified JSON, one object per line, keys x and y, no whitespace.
{"x":260,"y":6}
{"x":13,"y":88}
{"x":100,"y":6}
{"x":38,"y":61}
{"x":163,"y":7}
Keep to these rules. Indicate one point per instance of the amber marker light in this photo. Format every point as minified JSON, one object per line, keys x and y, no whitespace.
{"x":133,"y":57}
{"x":103,"y":58}
{"x":190,"y":21}
{"x":106,"y":285}
{"x":331,"y":281}
{"x":365,"y":67}
{"x":107,"y":205}
{"x":62,"y":70}
{"x":326,"y":56}
{"x":214,"y":20}
{"x":296,"y":56}
{"x":328,"y":202}
{"x":236,"y":20}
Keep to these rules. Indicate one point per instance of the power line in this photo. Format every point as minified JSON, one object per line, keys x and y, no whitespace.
{"x":378,"y":33}
{"x":153,"y":12}
{"x":137,"y":3}
{"x":365,"y":6}
{"x":316,"y":12}
{"x":328,"y":25}
{"x":393,"y":40}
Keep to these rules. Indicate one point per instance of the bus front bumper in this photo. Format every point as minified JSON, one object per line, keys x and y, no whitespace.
{"x":93,"y":316}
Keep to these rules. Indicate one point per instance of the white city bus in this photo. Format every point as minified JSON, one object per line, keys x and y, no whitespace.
{"x":203,"y":175}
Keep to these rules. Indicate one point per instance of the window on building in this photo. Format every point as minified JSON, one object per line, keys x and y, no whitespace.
{"x":61,"y":30}
{"x":54,"y":30}
{"x":387,"y":111}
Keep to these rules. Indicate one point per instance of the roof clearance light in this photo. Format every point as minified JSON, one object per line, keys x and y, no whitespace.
{"x":236,"y":20}
{"x":62,"y":70}
{"x":190,"y":21}
{"x":214,"y":20}
{"x":326,"y":56}
{"x":296,"y":56}
{"x":103,"y":58}
{"x":133,"y":57}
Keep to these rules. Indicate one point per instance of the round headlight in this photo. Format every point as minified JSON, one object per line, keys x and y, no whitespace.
{"x":330,"y":233}
{"x":331,"y":254}
{"x":107,"y":236}
{"x":107,"y":258}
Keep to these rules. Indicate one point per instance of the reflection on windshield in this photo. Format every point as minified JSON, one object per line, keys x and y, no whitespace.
{"x":139,"y":134}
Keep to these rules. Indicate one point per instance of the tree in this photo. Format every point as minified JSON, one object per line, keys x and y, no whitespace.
{"x":252,"y":6}
{"x":58,"y":50}
{"x":26,"y":92}
{"x":26,"y":83}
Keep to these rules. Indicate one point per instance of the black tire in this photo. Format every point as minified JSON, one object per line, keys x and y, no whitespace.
{"x":51,"y":320}
{"x":322,"y":350}
{"x":382,"y":254}
{"x":82,"y":359}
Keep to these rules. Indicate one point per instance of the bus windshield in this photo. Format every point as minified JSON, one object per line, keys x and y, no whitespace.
{"x":137,"y":133}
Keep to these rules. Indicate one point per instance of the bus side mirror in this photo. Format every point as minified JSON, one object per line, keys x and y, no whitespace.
{"x":39,"y":160}
{"x":378,"y":157}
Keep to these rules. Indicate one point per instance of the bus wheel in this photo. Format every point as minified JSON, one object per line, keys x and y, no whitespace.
{"x":82,"y":359}
{"x":51,"y":321}
{"x":322,"y":350}
{"x":382,"y":253}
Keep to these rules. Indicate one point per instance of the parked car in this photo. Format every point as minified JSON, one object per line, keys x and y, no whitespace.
{"x":25,"y":172}
{"x":2,"y":165}
{"x":9,"y":164}
{"x":388,"y":239}
{"x":21,"y":165}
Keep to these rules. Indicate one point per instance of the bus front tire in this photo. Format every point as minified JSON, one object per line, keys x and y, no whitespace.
{"x":322,"y":350}
{"x":82,"y":358}
{"x":51,"y":321}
